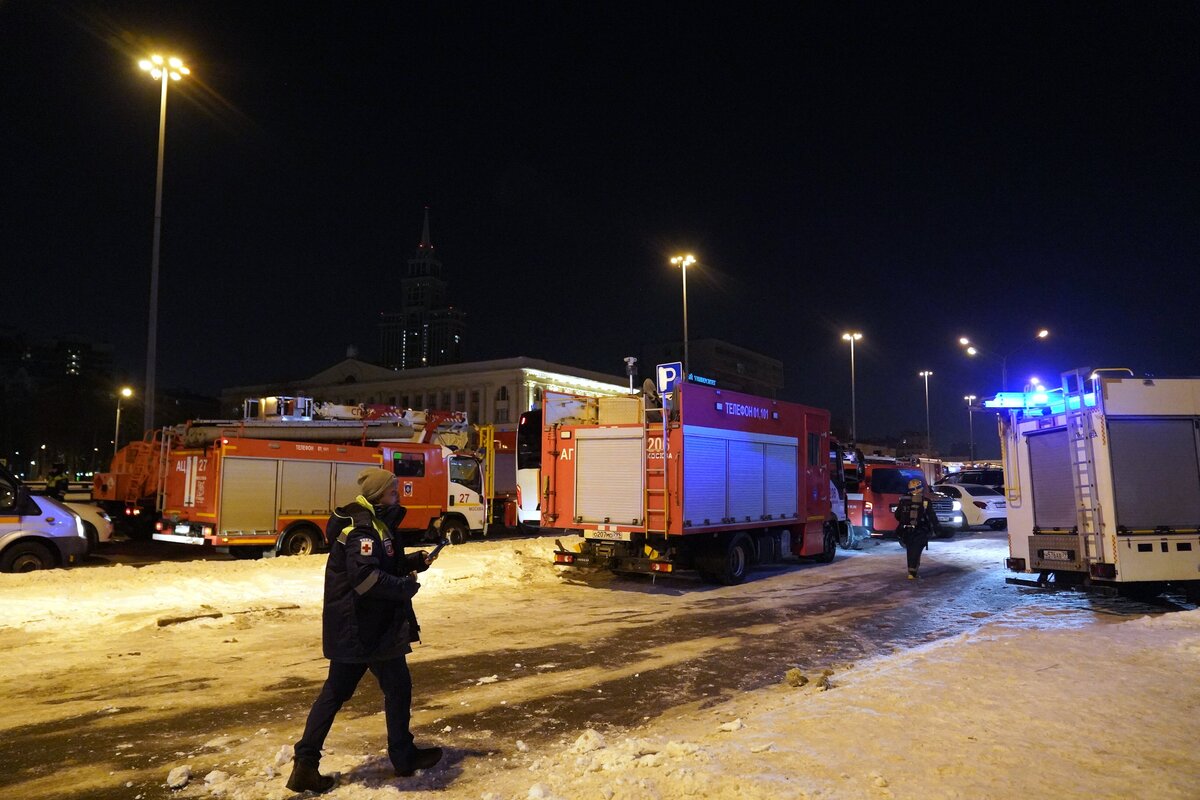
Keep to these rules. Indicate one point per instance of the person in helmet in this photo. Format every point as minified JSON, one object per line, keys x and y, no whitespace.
{"x":57,"y":481}
{"x":915,"y":514}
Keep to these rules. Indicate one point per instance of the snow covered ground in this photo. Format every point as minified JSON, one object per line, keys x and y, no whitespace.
{"x":115,"y":677}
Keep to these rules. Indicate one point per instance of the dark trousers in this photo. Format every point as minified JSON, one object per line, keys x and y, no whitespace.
{"x":396,"y":683}
{"x":914,"y":544}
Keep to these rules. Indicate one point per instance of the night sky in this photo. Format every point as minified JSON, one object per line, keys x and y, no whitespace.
{"x":914,"y":171}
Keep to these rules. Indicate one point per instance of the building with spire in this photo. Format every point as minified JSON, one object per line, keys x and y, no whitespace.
{"x":427,"y":331}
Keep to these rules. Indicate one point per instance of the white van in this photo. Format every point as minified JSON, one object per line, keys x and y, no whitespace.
{"x":36,"y":532}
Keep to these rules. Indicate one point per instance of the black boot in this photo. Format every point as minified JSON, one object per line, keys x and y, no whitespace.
{"x":422,"y":758}
{"x":306,"y":778}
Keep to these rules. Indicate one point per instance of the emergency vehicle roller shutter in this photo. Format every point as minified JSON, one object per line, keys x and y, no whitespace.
{"x":781,"y":479}
{"x":610,"y":469}
{"x":345,"y":483}
{"x":703,"y":480}
{"x":305,"y":488}
{"x":1156,"y":478}
{"x":248,"y":494}
{"x":746,"y":490}
{"x":1050,"y":474}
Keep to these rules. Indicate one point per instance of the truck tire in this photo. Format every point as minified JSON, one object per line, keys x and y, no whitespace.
{"x":831,"y":543}
{"x":455,"y":531}
{"x":27,"y":557}
{"x":300,"y":540}
{"x":733,"y":562}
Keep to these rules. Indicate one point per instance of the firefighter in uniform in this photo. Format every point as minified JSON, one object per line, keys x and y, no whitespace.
{"x":57,"y":481}
{"x":915,"y":514}
{"x":367,"y":624}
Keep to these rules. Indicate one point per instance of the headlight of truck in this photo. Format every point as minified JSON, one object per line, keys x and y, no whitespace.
{"x":957,"y":505}
{"x":105,"y":517}
{"x":79,"y":526}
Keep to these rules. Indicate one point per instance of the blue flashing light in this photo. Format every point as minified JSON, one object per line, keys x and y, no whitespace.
{"x":1038,"y":403}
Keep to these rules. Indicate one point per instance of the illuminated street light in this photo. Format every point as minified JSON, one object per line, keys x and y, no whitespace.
{"x":852,"y":337}
{"x":972,"y":349}
{"x":970,"y":398}
{"x":683,"y":262}
{"x":925,"y":373}
{"x":125,"y":392}
{"x":159,"y":69}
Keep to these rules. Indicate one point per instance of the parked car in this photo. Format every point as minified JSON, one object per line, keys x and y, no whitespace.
{"x":36,"y":532}
{"x":976,"y":476}
{"x":97,"y":525}
{"x":981,"y":505}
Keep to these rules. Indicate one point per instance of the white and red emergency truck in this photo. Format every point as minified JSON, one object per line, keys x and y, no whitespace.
{"x":728,"y":481}
{"x":1103,"y":481}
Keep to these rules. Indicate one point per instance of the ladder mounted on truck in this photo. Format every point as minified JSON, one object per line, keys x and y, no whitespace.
{"x":1081,"y":435}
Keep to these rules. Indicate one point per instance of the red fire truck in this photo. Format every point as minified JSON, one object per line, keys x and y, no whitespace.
{"x":250,"y":495}
{"x":727,"y":481}
{"x":272,"y":478}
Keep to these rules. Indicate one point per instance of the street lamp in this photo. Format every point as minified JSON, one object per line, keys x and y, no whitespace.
{"x":125,"y":392}
{"x":852,"y":337}
{"x":683,"y":262}
{"x":972,"y":349}
{"x":165,"y":70}
{"x":925,"y":373}
{"x":970,"y":398}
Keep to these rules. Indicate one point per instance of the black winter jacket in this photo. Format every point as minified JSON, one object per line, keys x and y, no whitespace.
{"x":368,"y":613}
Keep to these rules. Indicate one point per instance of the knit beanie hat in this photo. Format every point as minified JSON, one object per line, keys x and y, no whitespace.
{"x":374,"y":482}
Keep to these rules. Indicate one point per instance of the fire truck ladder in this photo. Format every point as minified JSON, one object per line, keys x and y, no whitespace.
{"x":657,"y":512}
{"x":164,"y":447}
{"x":1081,"y":433}
{"x":487,"y":446}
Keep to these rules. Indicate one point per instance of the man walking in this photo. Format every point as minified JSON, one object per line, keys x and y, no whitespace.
{"x":915,"y":514}
{"x":367,"y":624}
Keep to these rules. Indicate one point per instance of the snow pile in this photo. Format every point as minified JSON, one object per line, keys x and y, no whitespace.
{"x":127,"y":598}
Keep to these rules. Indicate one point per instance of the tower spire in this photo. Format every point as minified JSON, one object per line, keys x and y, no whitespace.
{"x":425,"y":242}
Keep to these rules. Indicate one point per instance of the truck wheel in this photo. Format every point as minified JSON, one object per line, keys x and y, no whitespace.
{"x":300,"y":540}
{"x":735,"y":561}
{"x":455,"y":531}
{"x":26,"y":557}
{"x":831,"y":541}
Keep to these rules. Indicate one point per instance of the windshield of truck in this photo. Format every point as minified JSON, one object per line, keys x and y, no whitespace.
{"x":893,"y":480}
{"x":464,"y":470}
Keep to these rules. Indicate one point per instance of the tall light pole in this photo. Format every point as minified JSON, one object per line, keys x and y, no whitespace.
{"x":683,"y":262}
{"x":125,"y":392}
{"x":973,"y":349}
{"x":970,"y":398}
{"x":852,"y":337}
{"x":165,"y":70}
{"x":925,"y":373}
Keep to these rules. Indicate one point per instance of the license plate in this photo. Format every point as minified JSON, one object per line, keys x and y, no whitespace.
{"x":1056,"y":555}
{"x":611,"y":536}
{"x":184,"y":529}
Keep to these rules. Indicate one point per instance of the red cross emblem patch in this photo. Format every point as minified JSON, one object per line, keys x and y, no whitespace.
{"x":366,"y":547}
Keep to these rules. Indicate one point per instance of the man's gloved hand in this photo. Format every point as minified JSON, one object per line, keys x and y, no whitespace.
{"x":410,"y":586}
